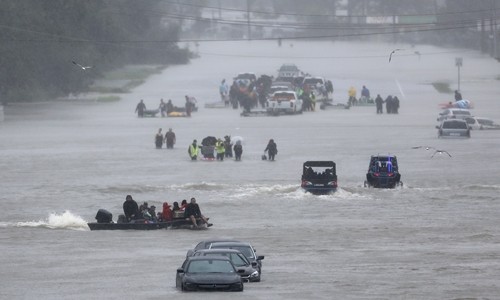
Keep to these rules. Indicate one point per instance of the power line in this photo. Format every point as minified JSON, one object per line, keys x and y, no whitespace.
{"x":322,"y":15}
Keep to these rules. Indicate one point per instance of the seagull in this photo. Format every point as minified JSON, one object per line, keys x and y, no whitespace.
{"x":425,"y":147}
{"x":440,"y":152}
{"x":82,"y":67}
{"x":393,"y":51}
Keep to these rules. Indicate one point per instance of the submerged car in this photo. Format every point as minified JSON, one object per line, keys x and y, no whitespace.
{"x":453,"y":128}
{"x":453,"y":113}
{"x":287,"y":72}
{"x":481,"y":123}
{"x":240,"y":262}
{"x":319,"y":177}
{"x":208,"y":273}
{"x":245,"y":248}
{"x":285,"y":102}
{"x":205,"y":244}
{"x":383,"y":172}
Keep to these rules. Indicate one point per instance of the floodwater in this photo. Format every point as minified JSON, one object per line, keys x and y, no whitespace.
{"x":437,"y":237}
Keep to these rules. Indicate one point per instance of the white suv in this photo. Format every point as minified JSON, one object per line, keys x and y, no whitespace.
{"x":284,"y":102}
{"x":454,"y":113}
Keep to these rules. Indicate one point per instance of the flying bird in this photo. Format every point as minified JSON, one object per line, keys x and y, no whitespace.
{"x":393,"y":51}
{"x":440,"y":152}
{"x":82,"y":67}
{"x":424,"y":147}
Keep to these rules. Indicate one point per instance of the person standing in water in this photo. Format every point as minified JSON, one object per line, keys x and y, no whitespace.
{"x":272,"y":149}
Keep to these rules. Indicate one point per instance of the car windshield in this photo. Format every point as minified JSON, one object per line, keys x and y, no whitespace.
{"x":313,"y":81}
{"x":454,"y":125}
{"x":238,"y":259}
{"x":246,"y":250}
{"x":210,"y":266}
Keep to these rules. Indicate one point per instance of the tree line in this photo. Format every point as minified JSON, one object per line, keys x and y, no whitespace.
{"x":41,"y":38}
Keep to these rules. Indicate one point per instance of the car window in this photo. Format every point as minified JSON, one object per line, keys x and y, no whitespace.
{"x":283,"y":96}
{"x":210,"y":266}
{"x":246,"y":250}
{"x":454,"y":125}
{"x":485,"y":122}
{"x":470,"y":121}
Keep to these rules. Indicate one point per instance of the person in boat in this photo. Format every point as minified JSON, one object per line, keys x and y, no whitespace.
{"x":176,"y":206}
{"x":220,"y":149}
{"x":170,"y":139}
{"x":272,"y":149}
{"x":193,"y":150}
{"x":184,"y":203}
{"x":170,"y":106}
{"x":140,"y":108}
{"x":365,"y":94}
{"x":166,"y":213}
{"x":193,"y":213}
{"x":159,"y":139}
{"x":163,"y":108}
{"x":238,"y":150}
{"x":131,"y":209}
{"x":152,"y":213}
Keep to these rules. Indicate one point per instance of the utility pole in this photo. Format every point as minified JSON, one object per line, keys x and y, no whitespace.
{"x":248,"y":21}
{"x":494,"y":30}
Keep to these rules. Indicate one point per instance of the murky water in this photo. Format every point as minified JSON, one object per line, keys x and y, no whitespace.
{"x":437,"y":237}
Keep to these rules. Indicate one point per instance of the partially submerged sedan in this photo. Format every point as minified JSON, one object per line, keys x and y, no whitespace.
{"x":207,"y":273}
{"x":453,"y":128}
{"x":481,"y":123}
{"x":239,"y":261}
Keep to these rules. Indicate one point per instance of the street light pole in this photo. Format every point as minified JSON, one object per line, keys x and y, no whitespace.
{"x":458,"y":63}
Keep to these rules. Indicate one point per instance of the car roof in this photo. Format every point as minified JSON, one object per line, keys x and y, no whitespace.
{"x":235,"y":243}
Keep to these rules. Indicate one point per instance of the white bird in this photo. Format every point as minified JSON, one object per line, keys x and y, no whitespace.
{"x":425,"y":147}
{"x":393,"y":51}
{"x":82,"y":67}
{"x":440,"y":152}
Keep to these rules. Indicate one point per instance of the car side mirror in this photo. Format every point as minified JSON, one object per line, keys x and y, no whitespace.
{"x":180,"y":270}
{"x":254,"y":264}
{"x":437,"y":127}
{"x":260,"y":257}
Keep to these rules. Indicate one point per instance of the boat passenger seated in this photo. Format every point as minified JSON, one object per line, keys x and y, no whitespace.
{"x":193,"y":213}
{"x":167,"y":212}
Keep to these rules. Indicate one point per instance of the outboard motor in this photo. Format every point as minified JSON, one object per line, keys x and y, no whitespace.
{"x":104,"y":216}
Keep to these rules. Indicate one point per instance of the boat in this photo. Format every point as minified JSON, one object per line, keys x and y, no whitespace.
{"x":329,"y":105}
{"x":105,"y":222}
{"x":319,"y":177}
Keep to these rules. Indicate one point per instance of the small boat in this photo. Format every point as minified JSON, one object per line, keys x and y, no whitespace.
{"x":105,"y":222}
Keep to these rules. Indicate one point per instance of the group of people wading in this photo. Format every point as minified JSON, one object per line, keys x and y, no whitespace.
{"x":222,"y":148}
{"x":168,"y":139}
{"x":145,"y":213}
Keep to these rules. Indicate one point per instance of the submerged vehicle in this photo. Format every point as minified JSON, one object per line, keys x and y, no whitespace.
{"x":105,"y":222}
{"x":284,"y":102}
{"x":383,"y":172}
{"x":208,"y":273}
{"x":319,"y":177}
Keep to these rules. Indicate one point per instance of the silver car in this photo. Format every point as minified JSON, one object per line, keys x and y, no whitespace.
{"x":453,"y":113}
{"x":453,"y":128}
